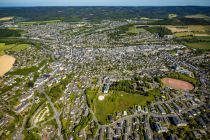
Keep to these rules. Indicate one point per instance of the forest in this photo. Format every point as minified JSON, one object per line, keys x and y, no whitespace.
{"x":97,"y":14}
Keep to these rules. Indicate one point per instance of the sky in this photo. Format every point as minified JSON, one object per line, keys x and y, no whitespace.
{"x":104,"y":3}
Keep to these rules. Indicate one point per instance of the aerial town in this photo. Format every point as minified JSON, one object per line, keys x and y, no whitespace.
{"x":113,"y":80}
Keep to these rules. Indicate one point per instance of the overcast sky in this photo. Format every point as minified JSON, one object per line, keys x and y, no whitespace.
{"x":104,"y":2}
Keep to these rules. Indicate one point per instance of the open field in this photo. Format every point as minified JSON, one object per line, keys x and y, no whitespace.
{"x":114,"y":101}
{"x":19,"y":47}
{"x":170,"y":16}
{"x":177,"y":84}
{"x":6,"y":63}
{"x":200,"y":45}
{"x":13,"y":47}
{"x":190,"y":28}
{"x":197,"y":16}
{"x":6,"y":18}
{"x":135,"y":30}
{"x":38,"y":22}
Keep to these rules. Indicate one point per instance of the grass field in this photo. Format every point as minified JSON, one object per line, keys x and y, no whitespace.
{"x":12,"y":47}
{"x":135,"y":30}
{"x":6,"y":18}
{"x":201,"y":16}
{"x":19,"y":47}
{"x":191,"y":30}
{"x":200,"y":45}
{"x":115,"y":101}
{"x":170,"y":16}
{"x":38,"y":22}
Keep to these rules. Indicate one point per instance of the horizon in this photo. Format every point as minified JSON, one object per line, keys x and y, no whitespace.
{"x":100,"y":6}
{"x":117,"y":3}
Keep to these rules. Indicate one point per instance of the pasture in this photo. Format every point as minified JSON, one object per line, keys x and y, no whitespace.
{"x":191,"y":30}
{"x":199,"y":45}
{"x":12,"y":47}
{"x":197,"y":16}
{"x":135,"y":30}
{"x":170,"y":16}
{"x":26,"y":23}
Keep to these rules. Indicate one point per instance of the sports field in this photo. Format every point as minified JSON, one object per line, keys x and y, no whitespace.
{"x":6,"y":63}
{"x":177,"y":84}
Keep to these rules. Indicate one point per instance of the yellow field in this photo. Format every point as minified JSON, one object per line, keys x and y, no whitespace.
{"x":6,"y":63}
{"x":191,"y":30}
{"x":6,"y":18}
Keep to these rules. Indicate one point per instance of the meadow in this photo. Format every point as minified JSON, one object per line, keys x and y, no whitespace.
{"x":6,"y":18}
{"x":199,"y":45}
{"x":135,"y":30}
{"x":12,"y":47}
{"x":38,"y":22}
{"x":115,"y":101}
{"x":197,"y":16}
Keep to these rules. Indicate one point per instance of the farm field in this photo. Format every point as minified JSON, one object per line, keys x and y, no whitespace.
{"x":200,"y":45}
{"x":177,"y":84}
{"x":170,"y":16}
{"x":6,"y":18}
{"x":39,"y":22}
{"x":197,"y":16}
{"x":192,"y":28}
{"x":135,"y":30}
{"x":114,"y":101}
{"x":6,"y":63}
{"x":12,"y":47}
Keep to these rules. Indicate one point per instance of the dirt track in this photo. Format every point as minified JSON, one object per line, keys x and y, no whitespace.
{"x":177,"y":84}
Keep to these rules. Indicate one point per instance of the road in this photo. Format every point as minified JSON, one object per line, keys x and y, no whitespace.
{"x":56,"y":113}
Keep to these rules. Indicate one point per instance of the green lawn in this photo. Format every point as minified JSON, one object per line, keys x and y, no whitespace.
{"x":115,"y":101}
{"x":200,"y":45}
{"x":135,"y":30}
